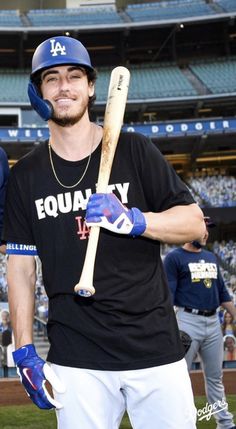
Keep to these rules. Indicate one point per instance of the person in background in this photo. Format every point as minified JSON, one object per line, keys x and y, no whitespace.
{"x":119,"y":349}
{"x":4,"y":173}
{"x":6,"y":340}
{"x":229,"y":347}
{"x":198,"y":290}
{"x":5,"y":323}
{"x":228,"y":326}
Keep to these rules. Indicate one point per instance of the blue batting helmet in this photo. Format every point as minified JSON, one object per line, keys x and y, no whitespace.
{"x":51,"y":53}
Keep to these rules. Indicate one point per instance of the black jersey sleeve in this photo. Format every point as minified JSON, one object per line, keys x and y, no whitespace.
{"x":163,"y":188}
{"x":16,"y":227}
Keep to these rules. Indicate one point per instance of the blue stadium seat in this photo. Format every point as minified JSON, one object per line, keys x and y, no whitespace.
{"x":148,"y":81}
{"x":10,"y":18}
{"x":219,"y":76}
{"x":69,"y":17}
{"x":227,"y":5}
{"x":171,"y":9}
{"x":13,"y":85}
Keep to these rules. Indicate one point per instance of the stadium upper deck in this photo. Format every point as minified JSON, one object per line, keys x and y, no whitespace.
{"x":150,"y":82}
{"x":110,"y":15}
{"x":181,"y":53}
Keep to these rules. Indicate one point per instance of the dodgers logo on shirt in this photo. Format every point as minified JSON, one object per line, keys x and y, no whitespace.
{"x":57,"y":48}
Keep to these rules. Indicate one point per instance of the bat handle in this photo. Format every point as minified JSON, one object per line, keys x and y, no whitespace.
{"x":85,"y":286}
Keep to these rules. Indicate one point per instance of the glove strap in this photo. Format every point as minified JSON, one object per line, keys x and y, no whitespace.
{"x":139,"y":222}
{"x":26,"y":351}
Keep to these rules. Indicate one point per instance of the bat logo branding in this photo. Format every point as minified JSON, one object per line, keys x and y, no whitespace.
{"x":120,"y":82}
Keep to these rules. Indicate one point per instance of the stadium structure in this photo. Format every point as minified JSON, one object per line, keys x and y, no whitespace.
{"x":182,"y":59}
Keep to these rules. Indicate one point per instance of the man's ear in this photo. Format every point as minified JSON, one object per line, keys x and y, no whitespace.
{"x":91,"y":89}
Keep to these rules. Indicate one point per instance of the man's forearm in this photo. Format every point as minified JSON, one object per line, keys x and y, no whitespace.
{"x":21,"y":295}
{"x":180,"y":224}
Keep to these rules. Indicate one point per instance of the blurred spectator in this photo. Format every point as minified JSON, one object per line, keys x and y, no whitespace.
{"x":6,"y":340}
{"x":5,"y":323}
{"x":228,"y":327}
{"x":3,"y":281}
{"x":229,"y":347}
{"x":42,"y":309}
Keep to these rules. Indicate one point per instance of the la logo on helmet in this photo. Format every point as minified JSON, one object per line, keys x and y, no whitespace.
{"x":57,"y":48}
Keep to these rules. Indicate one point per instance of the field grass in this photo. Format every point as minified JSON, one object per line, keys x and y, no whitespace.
{"x":30,"y":417}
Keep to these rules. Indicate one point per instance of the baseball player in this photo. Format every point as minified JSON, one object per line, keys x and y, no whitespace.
{"x":198,"y":290}
{"x":119,"y":349}
{"x":4,"y":173}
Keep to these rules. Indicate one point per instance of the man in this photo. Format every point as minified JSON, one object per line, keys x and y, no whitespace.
{"x":119,"y":349}
{"x":4,"y":173}
{"x":198,"y":290}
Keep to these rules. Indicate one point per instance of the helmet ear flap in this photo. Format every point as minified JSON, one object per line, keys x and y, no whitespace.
{"x":43,"y":107}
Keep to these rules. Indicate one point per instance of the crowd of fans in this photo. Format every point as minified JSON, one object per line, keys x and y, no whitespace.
{"x":226,"y":252}
{"x":214,"y":190}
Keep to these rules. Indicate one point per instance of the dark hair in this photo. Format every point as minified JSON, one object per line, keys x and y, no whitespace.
{"x":92,"y":76}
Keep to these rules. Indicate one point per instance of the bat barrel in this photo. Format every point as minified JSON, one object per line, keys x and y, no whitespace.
{"x":113,"y":120}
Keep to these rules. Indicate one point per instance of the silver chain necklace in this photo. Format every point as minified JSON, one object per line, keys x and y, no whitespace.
{"x":55,"y":174}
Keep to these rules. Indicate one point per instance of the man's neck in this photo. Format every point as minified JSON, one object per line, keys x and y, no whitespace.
{"x":191,"y":248}
{"x":76,"y":142}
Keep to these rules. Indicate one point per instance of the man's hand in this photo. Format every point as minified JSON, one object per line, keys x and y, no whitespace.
{"x":106,"y":211}
{"x":34,"y":372}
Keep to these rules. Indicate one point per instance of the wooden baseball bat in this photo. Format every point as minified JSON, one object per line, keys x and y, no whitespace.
{"x":113,"y":121}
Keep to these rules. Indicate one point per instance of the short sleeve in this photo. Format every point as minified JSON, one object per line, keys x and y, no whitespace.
{"x":16,"y":227}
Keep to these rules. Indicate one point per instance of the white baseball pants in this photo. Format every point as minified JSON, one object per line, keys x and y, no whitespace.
{"x":155,"y":398}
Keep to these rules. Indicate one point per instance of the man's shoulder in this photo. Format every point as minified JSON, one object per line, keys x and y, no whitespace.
{"x":176,"y":251}
{"x":174,"y":254}
{"x":133,"y":136}
{"x":138,"y":143}
{"x":31,"y":159}
{"x":207,"y":253}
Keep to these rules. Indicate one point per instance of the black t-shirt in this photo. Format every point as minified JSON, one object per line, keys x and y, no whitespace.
{"x":129,"y":323}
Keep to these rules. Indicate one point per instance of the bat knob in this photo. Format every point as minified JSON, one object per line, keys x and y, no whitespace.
{"x":85,"y":292}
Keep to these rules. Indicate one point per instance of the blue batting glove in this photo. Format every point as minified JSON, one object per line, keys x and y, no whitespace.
{"x":34,"y":372}
{"x":106,"y":211}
